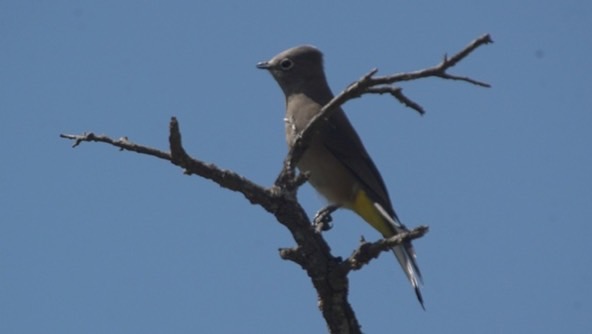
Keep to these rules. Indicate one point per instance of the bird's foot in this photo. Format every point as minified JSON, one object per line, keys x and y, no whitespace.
{"x":322,"y":220}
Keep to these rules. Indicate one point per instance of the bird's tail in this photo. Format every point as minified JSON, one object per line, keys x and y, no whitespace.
{"x":405,"y":254}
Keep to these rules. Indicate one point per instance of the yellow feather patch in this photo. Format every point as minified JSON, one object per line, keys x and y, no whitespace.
{"x":364,"y":207}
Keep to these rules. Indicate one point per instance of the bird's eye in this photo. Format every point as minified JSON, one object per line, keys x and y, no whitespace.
{"x":286,"y":64}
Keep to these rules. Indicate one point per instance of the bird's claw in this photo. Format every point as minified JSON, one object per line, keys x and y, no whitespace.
{"x":322,"y":220}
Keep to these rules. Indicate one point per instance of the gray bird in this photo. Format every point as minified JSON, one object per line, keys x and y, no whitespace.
{"x":339,"y":166}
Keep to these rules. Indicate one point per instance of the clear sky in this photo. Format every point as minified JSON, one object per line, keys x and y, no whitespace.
{"x":94,"y":240}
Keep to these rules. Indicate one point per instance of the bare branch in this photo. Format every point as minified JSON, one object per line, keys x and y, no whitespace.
{"x":439,"y":70}
{"x":397,"y":92}
{"x":227,"y":179}
{"x":312,"y":253}
{"x":367,"y":251}
{"x":462,"y":54}
{"x":467,"y":79}
{"x":123,"y":143}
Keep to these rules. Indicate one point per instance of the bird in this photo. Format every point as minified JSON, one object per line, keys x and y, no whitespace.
{"x":336,"y":161}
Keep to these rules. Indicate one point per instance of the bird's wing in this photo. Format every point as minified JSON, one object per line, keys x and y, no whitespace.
{"x":343,"y":142}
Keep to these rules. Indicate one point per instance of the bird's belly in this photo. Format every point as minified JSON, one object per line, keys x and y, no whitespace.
{"x":328,"y":176}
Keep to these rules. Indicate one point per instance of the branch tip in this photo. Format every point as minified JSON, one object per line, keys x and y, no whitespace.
{"x":370,"y":74}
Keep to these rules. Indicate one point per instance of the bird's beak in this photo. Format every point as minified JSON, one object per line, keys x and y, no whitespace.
{"x":264,"y":65}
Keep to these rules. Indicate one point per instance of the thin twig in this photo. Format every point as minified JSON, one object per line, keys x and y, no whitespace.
{"x":397,"y":92}
{"x":123,"y":143}
{"x":439,"y":70}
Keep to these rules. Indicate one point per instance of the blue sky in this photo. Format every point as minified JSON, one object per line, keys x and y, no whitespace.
{"x":93,"y":240}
